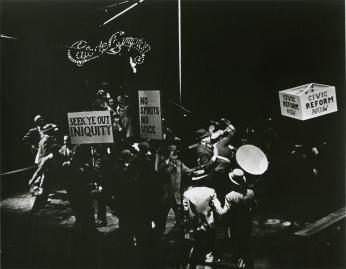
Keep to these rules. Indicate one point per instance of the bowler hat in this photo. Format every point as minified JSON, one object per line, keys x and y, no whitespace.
{"x":172,"y":148}
{"x":125,"y":155}
{"x":122,"y":99}
{"x":143,"y":147}
{"x":202,"y":133}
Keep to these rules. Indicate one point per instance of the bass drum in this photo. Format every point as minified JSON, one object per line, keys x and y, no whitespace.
{"x":252,"y":159}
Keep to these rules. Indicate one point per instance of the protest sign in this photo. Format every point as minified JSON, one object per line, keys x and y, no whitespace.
{"x":308,"y":101}
{"x":90,"y":127}
{"x":150,"y":114}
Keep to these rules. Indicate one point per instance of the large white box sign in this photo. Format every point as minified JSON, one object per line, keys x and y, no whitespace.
{"x":90,"y":127}
{"x":308,"y":101}
{"x":150,"y":114}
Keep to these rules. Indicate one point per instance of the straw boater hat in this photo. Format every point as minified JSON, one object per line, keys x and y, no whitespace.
{"x":237,"y":177}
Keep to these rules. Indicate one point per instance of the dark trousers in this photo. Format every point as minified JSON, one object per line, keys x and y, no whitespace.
{"x":240,"y":240}
{"x":163,"y":214}
{"x":40,"y":201}
{"x":204,"y":243}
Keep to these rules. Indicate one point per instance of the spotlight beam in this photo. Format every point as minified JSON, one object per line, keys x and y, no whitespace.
{"x":122,"y":12}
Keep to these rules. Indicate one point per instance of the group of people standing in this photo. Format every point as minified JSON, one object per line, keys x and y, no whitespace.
{"x":141,"y":184}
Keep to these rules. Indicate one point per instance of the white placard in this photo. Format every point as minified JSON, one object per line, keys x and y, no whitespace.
{"x":308,"y":101}
{"x":90,"y":127}
{"x":150,"y":114}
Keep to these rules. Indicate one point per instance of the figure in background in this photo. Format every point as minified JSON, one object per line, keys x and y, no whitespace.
{"x":247,"y":136}
{"x":269,"y":139}
{"x":238,"y":211}
{"x":100,"y":102}
{"x":173,"y":169}
{"x":34,"y":136}
{"x":145,"y":196}
{"x":66,"y":149}
{"x":83,"y":243}
{"x":102,"y":176}
{"x":79,"y":188}
{"x":123,"y":188}
{"x":126,"y":118}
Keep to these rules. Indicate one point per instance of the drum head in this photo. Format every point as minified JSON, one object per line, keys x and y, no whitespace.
{"x":252,"y":159}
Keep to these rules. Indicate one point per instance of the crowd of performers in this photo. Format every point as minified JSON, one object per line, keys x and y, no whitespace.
{"x":141,"y":182}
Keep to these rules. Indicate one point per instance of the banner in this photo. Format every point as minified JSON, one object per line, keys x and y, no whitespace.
{"x":150,"y":114}
{"x":308,"y":101}
{"x":90,"y":127}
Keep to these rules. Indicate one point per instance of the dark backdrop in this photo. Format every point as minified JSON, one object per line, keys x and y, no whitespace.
{"x":236,"y":56}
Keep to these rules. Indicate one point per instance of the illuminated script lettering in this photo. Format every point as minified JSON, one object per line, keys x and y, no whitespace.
{"x":81,"y":52}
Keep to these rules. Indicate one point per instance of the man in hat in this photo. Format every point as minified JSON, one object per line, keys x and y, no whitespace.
{"x":238,"y":210}
{"x":205,"y":152}
{"x":204,"y":149}
{"x":223,"y":161}
{"x":126,"y":118}
{"x":35,"y":135}
{"x":46,"y":172}
{"x":100,"y":102}
{"x":173,"y":170}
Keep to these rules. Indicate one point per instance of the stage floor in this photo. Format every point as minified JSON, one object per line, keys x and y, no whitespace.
{"x":48,"y":240}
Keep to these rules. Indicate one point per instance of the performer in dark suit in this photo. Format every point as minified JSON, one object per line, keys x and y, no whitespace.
{"x":174,"y":170}
{"x":205,"y":152}
{"x":204,"y":149}
{"x":145,"y":193}
{"x":238,"y":210}
{"x":224,"y":161}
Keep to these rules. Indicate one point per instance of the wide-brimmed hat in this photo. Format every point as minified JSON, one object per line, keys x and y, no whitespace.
{"x":237,"y":177}
{"x":202,"y":133}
